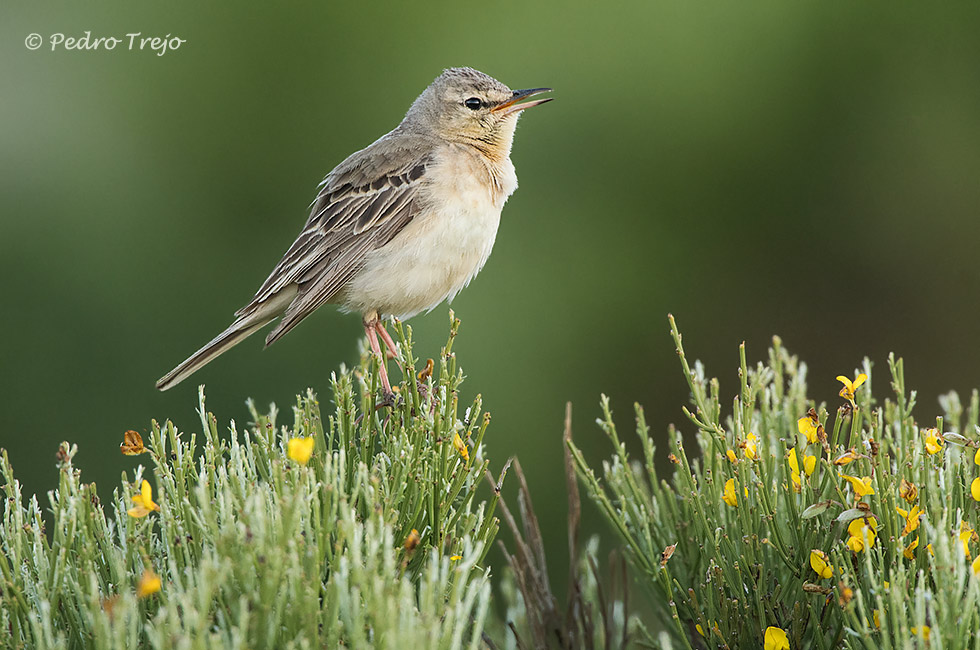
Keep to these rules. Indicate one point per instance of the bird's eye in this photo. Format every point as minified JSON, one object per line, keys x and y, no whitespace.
{"x":473,"y":103}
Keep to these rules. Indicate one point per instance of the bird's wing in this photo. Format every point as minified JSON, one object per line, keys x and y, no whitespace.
{"x":362,"y":205}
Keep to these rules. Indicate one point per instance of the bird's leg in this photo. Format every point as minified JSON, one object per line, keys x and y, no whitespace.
{"x":370,"y":328}
{"x":386,"y":337}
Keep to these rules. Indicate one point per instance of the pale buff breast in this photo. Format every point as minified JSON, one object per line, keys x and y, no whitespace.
{"x":443,"y":247}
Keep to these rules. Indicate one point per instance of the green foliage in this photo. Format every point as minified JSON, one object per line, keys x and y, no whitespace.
{"x":255,"y":549}
{"x":742,"y":562}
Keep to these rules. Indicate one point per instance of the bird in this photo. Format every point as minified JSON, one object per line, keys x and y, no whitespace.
{"x":399,"y":226}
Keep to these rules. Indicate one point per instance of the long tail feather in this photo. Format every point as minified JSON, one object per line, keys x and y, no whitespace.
{"x":254,"y":317}
{"x":231,"y":337}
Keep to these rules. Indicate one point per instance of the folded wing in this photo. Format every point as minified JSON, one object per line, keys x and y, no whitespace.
{"x":360,"y":207}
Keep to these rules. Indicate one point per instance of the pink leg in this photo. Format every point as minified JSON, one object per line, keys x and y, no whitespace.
{"x":386,"y":337}
{"x":369,"y":329}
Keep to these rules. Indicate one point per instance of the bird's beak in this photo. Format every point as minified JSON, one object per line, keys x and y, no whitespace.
{"x":511,"y":105}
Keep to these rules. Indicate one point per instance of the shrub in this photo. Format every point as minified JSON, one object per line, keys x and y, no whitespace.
{"x":361,"y":530}
{"x":798,"y":526}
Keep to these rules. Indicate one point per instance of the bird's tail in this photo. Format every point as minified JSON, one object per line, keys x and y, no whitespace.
{"x":235,"y":334}
{"x":252,"y":318}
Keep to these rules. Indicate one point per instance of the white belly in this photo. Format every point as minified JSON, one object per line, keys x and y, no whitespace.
{"x":441,"y":249}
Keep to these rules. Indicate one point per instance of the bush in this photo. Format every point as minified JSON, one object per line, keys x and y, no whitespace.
{"x":361,"y":530}
{"x":791,"y":527}
{"x":797,"y":527}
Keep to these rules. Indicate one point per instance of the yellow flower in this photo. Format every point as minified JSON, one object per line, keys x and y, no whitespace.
{"x":808,"y":427}
{"x":975,"y":489}
{"x":847,"y":392}
{"x":908,"y":491}
{"x":862,"y":534}
{"x":876,"y":617}
{"x":929,"y":548}
{"x":729,"y":495}
{"x":426,"y":372}
{"x":909,"y":551}
{"x":300,"y":449}
{"x":149,"y":584}
{"x":132,"y":444}
{"x":861,"y":486}
{"x":934,"y":441}
{"x":455,"y":558}
{"x":776,"y":639}
{"x":731,"y":456}
{"x":847,"y":457}
{"x":699,"y":629}
{"x":461,"y":447}
{"x":144,"y":502}
{"x":795,"y":478}
{"x":976,"y":565}
{"x":925,"y":632}
{"x":750,"y":446}
{"x":809,"y":464}
{"x":821,"y":564}
{"x":854,"y":528}
{"x":794,"y":467}
{"x":911,"y":518}
{"x":967,"y":535}
{"x":856,"y":544}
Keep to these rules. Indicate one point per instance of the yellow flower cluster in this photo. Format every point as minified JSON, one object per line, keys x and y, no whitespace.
{"x":810,"y":428}
{"x":871,"y":463}
{"x":910,"y":494}
{"x":750,"y":450}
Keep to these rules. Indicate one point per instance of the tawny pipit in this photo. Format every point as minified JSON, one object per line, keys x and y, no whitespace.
{"x":400,"y":226}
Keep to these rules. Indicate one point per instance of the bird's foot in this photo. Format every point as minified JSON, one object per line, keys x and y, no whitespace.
{"x":389,"y":400}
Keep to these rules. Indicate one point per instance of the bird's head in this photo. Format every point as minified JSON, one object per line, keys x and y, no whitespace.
{"x":465,"y":105}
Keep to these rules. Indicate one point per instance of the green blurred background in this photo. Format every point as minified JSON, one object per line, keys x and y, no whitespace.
{"x":808,"y":169}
